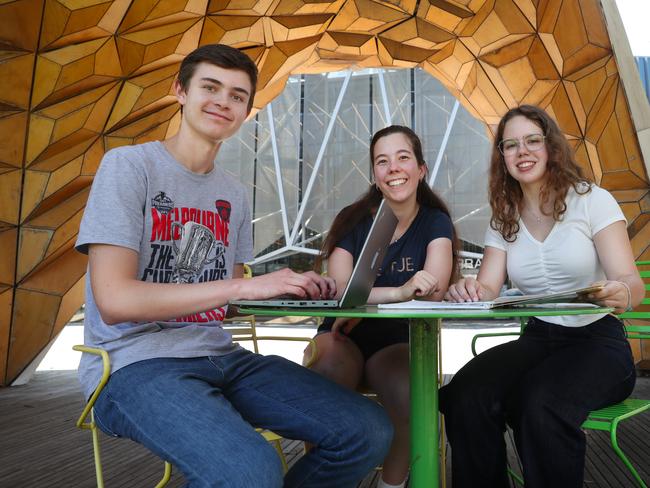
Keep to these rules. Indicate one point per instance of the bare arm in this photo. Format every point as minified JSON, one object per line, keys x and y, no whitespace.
{"x":487,"y":284}
{"x":121,"y":296}
{"x":439,"y":263}
{"x":424,"y":284}
{"x":615,"y":254}
{"x":430,"y":283}
{"x":339,"y":268}
{"x":237,"y":272}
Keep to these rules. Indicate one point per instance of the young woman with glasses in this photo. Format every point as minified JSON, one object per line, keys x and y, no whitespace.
{"x":551,"y":230}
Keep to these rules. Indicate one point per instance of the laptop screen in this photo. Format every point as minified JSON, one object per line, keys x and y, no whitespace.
{"x":363,"y":274}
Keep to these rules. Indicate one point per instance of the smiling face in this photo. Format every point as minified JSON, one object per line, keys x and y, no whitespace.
{"x":396,"y":169}
{"x":526,"y":166}
{"x":215,"y":102}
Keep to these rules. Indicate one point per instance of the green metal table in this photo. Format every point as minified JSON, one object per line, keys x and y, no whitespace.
{"x":424,"y":326}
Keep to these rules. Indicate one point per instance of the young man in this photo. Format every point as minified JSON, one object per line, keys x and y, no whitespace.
{"x":167,"y":233}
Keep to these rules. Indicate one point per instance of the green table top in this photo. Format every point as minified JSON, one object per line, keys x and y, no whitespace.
{"x":374,"y":311}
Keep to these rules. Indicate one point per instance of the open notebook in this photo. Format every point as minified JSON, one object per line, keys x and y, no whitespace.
{"x":564,"y":298}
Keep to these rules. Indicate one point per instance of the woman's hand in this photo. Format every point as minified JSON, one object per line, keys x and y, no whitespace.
{"x":614,"y":294}
{"x":465,"y":290}
{"x":342,"y":327}
{"x":421,"y":284}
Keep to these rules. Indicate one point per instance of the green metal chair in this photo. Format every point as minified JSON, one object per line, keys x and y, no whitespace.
{"x":637,"y":325}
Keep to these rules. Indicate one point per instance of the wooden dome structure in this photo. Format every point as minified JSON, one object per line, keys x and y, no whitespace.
{"x":78,"y":77}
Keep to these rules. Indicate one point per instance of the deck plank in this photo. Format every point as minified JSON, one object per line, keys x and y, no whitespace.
{"x":40,"y":445}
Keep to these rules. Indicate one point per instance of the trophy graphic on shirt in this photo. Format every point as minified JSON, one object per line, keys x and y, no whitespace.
{"x":192,"y":254}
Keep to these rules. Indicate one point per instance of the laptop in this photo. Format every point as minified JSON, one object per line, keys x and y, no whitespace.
{"x":363,"y":275}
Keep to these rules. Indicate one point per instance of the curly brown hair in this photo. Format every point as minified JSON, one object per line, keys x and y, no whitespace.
{"x":561,"y":168}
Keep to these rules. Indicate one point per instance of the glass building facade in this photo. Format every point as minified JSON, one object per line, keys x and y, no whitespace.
{"x":305,"y":156}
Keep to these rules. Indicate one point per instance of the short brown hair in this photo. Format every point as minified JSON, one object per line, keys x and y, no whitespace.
{"x":226,"y":57}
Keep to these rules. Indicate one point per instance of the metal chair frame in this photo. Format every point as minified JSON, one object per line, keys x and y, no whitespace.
{"x":83,"y":423}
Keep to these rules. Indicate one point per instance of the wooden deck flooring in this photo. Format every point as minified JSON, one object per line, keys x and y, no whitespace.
{"x":40,"y":446}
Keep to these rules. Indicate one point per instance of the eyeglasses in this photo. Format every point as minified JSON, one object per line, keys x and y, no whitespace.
{"x":532,"y":142}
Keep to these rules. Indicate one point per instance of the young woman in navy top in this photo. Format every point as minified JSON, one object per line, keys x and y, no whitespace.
{"x":419,"y":264}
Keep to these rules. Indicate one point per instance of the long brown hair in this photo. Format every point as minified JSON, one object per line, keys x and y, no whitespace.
{"x":561,"y":169}
{"x":367,"y":204}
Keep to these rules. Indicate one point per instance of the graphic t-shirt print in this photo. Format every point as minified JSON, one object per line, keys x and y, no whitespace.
{"x":188,"y":245}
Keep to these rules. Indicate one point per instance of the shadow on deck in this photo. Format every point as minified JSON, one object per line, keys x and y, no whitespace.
{"x":40,"y":445}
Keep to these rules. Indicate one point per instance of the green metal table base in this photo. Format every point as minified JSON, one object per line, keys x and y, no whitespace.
{"x":425,"y":459}
{"x":424,"y":326}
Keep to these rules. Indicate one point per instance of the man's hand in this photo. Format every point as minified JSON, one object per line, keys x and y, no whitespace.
{"x":465,"y":290}
{"x":286,"y":282}
{"x":421,"y":284}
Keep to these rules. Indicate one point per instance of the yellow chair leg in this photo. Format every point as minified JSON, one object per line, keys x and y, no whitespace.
{"x":96,"y":452}
{"x":166,"y":476}
{"x":278,"y":447}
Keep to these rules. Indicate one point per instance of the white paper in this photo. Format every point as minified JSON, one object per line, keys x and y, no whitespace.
{"x":427,"y":305}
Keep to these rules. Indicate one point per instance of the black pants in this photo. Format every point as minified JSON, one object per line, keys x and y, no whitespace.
{"x":543,"y":385}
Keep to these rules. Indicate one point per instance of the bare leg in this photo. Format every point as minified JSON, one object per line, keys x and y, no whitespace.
{"x":387,"y":373}
{"x":338,"y":359}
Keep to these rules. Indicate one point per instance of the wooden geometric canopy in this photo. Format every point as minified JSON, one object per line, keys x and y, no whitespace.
{"x":78,"y":77}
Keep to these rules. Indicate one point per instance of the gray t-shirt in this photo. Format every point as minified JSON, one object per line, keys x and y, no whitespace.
{"x":139,"y":196}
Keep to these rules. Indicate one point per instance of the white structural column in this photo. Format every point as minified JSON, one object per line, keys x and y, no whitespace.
{"x":384,"y":97}
{"x":278,"y":173}
{"x":443,"y":144}
{"x":319,"y":158}
{"x":292,"y":234}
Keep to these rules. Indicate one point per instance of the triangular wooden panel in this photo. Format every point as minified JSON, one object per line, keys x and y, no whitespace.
{"x":9,"y":245}
{"x":346,"y":48}
{"x":21,"y":24}
{"x":142,"y":95}
{"x":239,"y":31}
{"x":6,"y":309}
{"x":300,"y":7}
{"x":10,"y":190}
{"x":13,"y":130}
{"x":79,"y":78}
{"x":582,"y":158}
{"x":449,"y":15}
{"x":15,"y":82}
{"x":148,"y":14}
{"x":239,"y":7}
{"x":65,"y":22}
{"x":367,"y":16}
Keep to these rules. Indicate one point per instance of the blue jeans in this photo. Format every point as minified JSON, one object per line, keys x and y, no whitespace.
{"x":543,"y":385}
{"x":199,"y":414}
